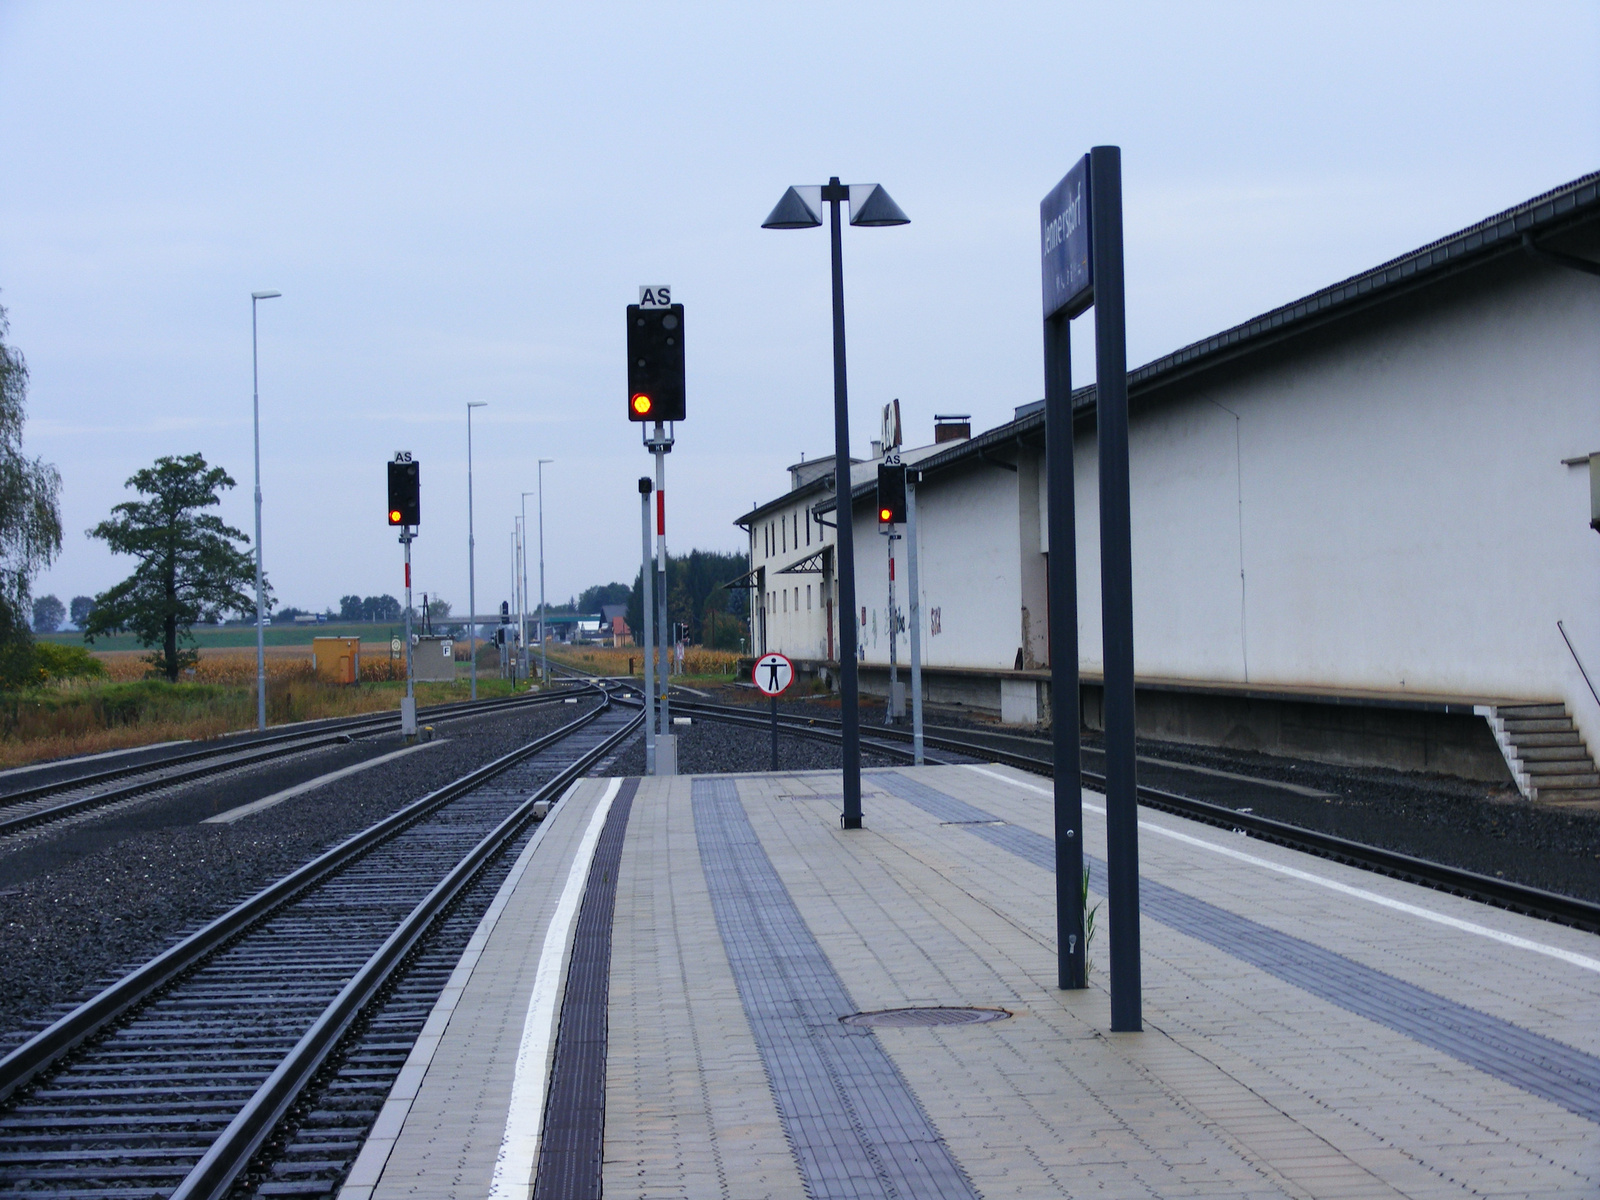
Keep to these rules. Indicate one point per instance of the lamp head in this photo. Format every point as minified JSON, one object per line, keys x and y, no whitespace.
{"x":265,"y":295}
{"x":800,"y":208}
{"x":870,"y":205}
{"x":477,"y":404}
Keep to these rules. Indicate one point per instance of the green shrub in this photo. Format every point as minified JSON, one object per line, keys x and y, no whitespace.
{"x":53,"y":661}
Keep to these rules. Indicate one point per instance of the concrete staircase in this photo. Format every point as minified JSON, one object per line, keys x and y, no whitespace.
{"x":1545,"y":752}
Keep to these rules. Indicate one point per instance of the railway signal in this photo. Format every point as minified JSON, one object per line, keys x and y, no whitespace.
{"x":655,"y":360}
{"x":405,"y":490}
{"x":892,"y":493}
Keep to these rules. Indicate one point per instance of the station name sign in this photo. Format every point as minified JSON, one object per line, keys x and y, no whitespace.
{"x":1066,"y":269}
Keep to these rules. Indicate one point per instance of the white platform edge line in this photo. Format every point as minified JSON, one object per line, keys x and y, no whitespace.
{"x":255,"y":806}
{"x":368,"y":1167}
{"x":1572,"y":958}
{"x":519,"y":1145}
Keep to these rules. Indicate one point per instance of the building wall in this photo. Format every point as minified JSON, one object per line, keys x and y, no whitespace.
{"x":1386,"y":511}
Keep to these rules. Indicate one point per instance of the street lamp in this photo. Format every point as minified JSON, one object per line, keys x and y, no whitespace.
{"x":472,"y":567}
{"x":255,"y":404}
{"x":544,"y":653}
{"x":801,"y":208}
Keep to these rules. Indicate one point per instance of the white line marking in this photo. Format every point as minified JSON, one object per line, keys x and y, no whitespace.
{"x":1427,"y":914}
{"x":375,"y":1151}
{"x":519,"y":1145}
{"x":255,"y":806}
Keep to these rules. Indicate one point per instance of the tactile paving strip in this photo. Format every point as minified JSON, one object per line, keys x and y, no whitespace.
{"x":856,"y":1128}
{"x":570,"y":1160}
{"x":1543,"y":1066}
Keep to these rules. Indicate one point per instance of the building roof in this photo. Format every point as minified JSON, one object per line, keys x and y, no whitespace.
{"x":1495,"y":237}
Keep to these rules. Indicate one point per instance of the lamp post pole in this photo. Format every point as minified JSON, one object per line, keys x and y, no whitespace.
{"x":801,"y":208}
{"x":472,"y":567}
{"x":526,"y":663}
{"x":255,"y":405}
{"x":544,"y":653}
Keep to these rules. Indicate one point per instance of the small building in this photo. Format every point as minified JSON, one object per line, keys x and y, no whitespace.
{"x":433,"y":659}
{"x":614,"y":622}
{"x":336,"y":659}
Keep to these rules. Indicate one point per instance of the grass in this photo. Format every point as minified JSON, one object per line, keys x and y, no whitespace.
{"x":224,"y":637}
{"x":124,"y":708}
{"x":699,"y":664}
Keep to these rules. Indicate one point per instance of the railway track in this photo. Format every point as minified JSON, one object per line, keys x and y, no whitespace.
{"x":57,"y":799}
{"x":1550,"y":906}
{"x":171,"y":1081}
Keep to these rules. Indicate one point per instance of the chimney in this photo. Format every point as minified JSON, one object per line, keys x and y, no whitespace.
{"x":877,"y":448}
{"x":951,"y":427}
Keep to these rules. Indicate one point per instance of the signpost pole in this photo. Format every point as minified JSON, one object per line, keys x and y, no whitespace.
{"x":1116,"y":586}
{"x":408,"y":710}
{"x":774,"y":733}
{"x":647,"y":581}
{"x":915,"y":605}
{"x":894,"y":638}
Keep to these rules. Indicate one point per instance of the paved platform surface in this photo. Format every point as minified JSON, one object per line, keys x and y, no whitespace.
{"x":1310,"y":1030}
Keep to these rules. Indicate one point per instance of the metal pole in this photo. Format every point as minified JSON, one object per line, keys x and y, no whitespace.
{"x":774,"y":734}
{"x":1116,"y":585}
{"x":261,"y":637}
{"x":472,"y":568}
{"x":544,"y":653}
{"x":915,"y":605}
{"x":1060,"y":503}
{"x":647,"y":610}
{"x":849,"y":698}
{"x":894,"y":637}
{"x":522,"y":580}
{"x":661,"y":573}
{"x":411,"y":695}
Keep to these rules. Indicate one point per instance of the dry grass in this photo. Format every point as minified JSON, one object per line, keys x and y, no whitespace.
{"x":605,"y":660}
{"x":128,"y":708}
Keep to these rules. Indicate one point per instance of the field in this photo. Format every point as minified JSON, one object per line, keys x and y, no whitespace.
{"x":709,"y":666}
{"x":126,"y":708}
{"x":223,"y":637}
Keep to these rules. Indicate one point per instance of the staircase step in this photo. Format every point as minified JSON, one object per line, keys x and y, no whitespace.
{"x":1574,"y":750}
{"x":1516,"y":727}
{"x":1569,"y":738}
{"x":1531,"y":710}
{"x":1578,"y":779}
{"x":1568,"y":795}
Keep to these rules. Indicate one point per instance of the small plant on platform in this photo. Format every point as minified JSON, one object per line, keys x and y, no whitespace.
{"x":1089,"y":914}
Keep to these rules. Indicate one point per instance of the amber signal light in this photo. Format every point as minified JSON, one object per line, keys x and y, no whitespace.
{"x":394,"y":516}
{"x":642,"y":404}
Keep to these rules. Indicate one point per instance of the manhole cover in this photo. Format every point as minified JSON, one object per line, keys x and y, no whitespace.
{"x":902,"y":1018}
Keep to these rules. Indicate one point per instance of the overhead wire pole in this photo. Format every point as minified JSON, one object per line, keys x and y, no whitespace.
{"x":255,"y":404}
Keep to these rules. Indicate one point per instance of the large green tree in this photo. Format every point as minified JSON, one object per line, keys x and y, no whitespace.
{"x":192,"y":566}
{"x":30,"y":517}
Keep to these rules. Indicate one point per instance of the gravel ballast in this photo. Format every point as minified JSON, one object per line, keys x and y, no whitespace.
{"x":91,"y":918}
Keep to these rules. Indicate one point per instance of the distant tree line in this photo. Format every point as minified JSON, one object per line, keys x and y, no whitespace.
{"x":697,"y":599}
{"x":370,"y":608}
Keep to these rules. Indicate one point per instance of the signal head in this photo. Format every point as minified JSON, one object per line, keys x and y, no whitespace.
{"x":394,"y":516}
{"x":642,"y":404}
{"x":885,"y":516}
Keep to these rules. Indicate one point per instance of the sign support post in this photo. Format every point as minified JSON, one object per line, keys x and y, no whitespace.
{"x":1081,"y":264}
{"x":772,"y":674}
{"x":647,"y":609}
{"x":408,"y":706}
{"x":666,"y":745}
{"x":915,"y":605}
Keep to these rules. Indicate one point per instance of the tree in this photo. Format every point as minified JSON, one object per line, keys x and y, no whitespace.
{"x":439,"y":610}
{"x":350,"y":608}
{"x":591,"y":599}
{"x":48,"y":613}
{"x":190,"y":567}
{"x":30,"y":517}
{"x":381,"y":608}
{"x":694,"y":587}
{"x":80,"y":608}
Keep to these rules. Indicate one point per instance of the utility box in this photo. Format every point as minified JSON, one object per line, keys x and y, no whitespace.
{"x":336,"y":659}
{"x":433,"y":658}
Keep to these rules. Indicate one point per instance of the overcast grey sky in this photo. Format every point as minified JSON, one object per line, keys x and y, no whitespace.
{"x":458,"y":201}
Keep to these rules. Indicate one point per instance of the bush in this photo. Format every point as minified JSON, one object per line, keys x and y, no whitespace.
{"x":54,"y":661}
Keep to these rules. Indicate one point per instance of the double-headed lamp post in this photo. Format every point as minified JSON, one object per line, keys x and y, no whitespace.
{"x":261,"y":612}
{"x":801,"y":208}
{"x":523,"y":565}
{"x":544,"y":653}
{"x":472,"y":566}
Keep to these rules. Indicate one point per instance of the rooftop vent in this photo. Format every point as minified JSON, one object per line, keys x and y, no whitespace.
{"x":951,"y":427}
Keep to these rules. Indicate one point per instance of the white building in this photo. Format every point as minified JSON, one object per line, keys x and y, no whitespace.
{"x":1357,"y":521}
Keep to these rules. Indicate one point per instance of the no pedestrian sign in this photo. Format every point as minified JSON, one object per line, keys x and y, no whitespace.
{"x":773,"y":674}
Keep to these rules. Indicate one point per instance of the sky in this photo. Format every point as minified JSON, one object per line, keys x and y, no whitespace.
{"x":458,"y":201}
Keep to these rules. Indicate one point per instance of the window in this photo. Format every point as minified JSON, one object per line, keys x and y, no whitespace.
{"x":797,"y":599}
{"x":784,"y":526}
{"x":786,"y":602}
{"x":808,"y":527}
{"x":808,"y":597}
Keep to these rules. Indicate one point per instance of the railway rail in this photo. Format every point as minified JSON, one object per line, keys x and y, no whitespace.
{"x":24,"y":808}
{"x":170,"y":1081}
{"x":1502,"y":893}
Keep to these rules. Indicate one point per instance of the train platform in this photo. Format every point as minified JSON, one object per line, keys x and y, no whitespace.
{"x":656,"y":1005}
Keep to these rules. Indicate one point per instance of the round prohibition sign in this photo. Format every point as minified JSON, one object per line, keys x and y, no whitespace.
{"x":773,"y":673}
